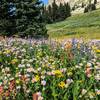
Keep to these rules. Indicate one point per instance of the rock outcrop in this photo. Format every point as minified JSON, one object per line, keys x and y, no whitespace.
{"x":73,"y":2}
{"x":77,"y":4}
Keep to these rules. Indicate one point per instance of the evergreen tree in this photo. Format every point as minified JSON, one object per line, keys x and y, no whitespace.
{"x":7,"y":17}
{"x":95,"y":1}
{"x":82,"y":5}
{"x":54,"y":11}
{"x":85,"y":10}
{"x":89,"y":8}
{"x":24,"y":18}
{"x":61,"y":12}
{"x":68,"y":10}
{"x":44,"y":13}
{"x":93,"y":7}
{"x":50,"y":20}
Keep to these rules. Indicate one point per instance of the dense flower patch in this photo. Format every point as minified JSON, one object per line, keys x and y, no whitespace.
{"x":49,"y":70}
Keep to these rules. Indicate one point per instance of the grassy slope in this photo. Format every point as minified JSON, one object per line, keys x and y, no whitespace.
{"x":83,"y":25}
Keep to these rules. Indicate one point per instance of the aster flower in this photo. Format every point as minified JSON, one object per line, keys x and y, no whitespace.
{"x":43,"y":82}
{"x":84,"y":91}
{"x":69,"y":81}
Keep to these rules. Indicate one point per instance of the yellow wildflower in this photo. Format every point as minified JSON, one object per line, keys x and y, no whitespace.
{"x":80,"y":81}
{"x":91,"y":94}
{"x":78,"y":45}
{"x":62,"y":84}
{"x":94,"y":47}
{"x":14,"y":61}
{"x":97,"y":51}
{"x":58,"y":73}
{"x":0,"y":52}
{"x":7,"y":51}
{"x":17,"y":81}
{"x":69,"y":73}
{"x":37,"y":78}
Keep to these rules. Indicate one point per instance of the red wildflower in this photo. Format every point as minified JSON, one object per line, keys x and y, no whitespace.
{"x":12,"y":85}
{"x":1,"y":89}
{"x":7,"y":93}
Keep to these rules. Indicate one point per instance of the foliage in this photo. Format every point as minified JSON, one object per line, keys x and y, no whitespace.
{"x":53,"y":71}
{"x":83,"y":25}
{"x":90,"y":7}
{"x":23,"y":18}
{"x":95,"y":1}
{"x":55,"y":13}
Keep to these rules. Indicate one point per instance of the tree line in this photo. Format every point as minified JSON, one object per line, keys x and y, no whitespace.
{"x":54,"y":13}
{"x":90,"y":6}
{"x":22,"y":18}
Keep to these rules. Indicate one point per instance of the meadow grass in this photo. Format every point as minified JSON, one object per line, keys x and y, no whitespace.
{"x":82,"y":25}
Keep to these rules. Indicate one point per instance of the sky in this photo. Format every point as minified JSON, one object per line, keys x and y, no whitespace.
{"x":45,"y":1}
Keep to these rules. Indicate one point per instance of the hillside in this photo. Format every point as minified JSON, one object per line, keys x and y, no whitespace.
{"x":72,"y":2}
{"x":81,"y":25}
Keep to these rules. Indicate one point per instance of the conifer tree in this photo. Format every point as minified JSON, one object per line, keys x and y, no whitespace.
{"x":61,"y":12}
{"x":54,"y":11}
{"x":50,"y":14}
{"x":68,"y":10}
{"x":24,"y":18}
{"x":95,"y":1}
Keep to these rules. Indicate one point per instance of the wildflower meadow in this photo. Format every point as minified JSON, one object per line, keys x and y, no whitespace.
{"x":49,"y":70}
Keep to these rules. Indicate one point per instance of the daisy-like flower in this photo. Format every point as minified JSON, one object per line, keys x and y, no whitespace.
{"x":80,"y":64}
{"x":43,"y":82}
{"x":28,"y":65}
{"x":18,"y":87}
{"x":97,"y":77}
{"x":89,"y":65}
{"x":30,"y":69}
{"x":77,"y":66}
{"x":97,"y":91}
{"x":69,"y":81}
{"x":84,"y":91}
{"x":42,"y":77}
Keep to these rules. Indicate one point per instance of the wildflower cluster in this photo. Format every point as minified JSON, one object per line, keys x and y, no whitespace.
{"x":59,"y":71}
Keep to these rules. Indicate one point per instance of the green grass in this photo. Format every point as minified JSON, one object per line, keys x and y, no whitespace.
{"x":83,"y":25}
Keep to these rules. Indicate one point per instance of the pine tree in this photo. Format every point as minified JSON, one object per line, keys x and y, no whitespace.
{"x":24,"y":18}
{"x":54,"y":11}
{"x":7,"y":17}
{"x":50,"y":20}
{"x":85,"y":10}
{"x":68,"y":10}
{"x":95,"y":1}
{"x":62,"y":12}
